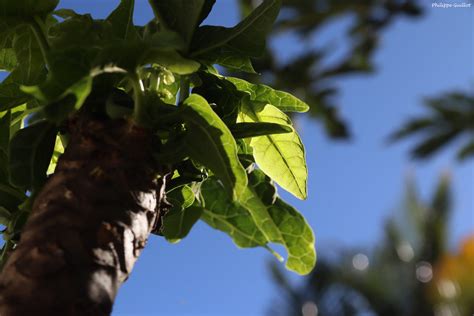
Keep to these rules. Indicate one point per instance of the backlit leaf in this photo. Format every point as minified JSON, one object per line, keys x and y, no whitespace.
{"x":280,"y":156}
{"x":262,"y":93}
{"x":231,"y":61}
{"x":171,"y":60}
{"x":211,"y":143}
{"x":228,"y":216}
{"x":258,"y":219}
{"x":57,"y":152}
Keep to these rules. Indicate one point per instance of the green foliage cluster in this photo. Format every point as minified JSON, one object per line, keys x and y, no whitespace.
{"x":226,"y":140}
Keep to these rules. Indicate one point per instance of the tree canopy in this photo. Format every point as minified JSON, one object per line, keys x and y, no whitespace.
{"x":215,"y":134}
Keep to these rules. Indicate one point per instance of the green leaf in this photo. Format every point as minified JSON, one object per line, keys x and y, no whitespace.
{"x":11,"y":95}
{"x":81,"y":31}
{"x":18,"y":115}
{"x":245,"y":130}
{"x":178,"y":222}
{"x":30,"y":69}
{"x":262,"y":93}
{"x":223,"y":94}
{"x":5,"y":216}
{"x":8,"y":59}
{"x":67,"y":85}
{"x":181,"y":16}
{"x":280,"y":156}
{"x":230,"y":60}
{"x":246,"y":38}
{"x":259,"y":218}
{"x":10,"y":122}
{"x":31,"y":149}
{"x":59,"y":107}
{"x":26,"y":8}
{"x":122,"y":20}
{"x":57,"y":152}
{"x":206,"y":9}
{"x":211,"y":143}
{"x":157,"y":113}
{"x":228,"y":216}
{"x":10,"y":197}
{"x":171,"y":60}
{"x":297,"y":235}
{"x":5,"y":121}
{"x":66,"y":13}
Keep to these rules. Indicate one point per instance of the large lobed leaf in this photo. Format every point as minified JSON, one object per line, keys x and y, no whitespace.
{"x":211,"y":143}
{"x":280,"y":156}
{"x":8,"y":59}
{"x":260,"y":218}
{"x":25,"y":63}
{"x":229,"y":217}
{"x":262,"y":93}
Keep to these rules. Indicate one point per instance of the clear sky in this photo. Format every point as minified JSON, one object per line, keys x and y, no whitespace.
{"x":353,"y":186}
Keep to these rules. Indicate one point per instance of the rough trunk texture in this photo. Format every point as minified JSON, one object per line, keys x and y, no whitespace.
{"x":88,"y":224}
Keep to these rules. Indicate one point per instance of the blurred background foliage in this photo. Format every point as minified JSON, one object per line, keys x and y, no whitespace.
{"x":411,"y":272}
{"x":450,"y":117}
{"x":309,"y":75}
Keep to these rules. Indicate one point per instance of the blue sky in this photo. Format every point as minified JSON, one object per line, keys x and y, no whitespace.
{"x":353,"y":186}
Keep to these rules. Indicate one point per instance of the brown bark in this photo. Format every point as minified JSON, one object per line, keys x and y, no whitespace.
{"x":88,"y":224}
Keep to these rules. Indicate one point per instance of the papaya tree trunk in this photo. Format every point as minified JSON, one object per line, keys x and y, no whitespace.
{"x":88,"y":224}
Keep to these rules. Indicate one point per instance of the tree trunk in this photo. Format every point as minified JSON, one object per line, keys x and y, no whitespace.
{"x":88,"y":224}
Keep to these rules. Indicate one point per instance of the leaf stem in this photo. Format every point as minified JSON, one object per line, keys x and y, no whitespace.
{"x":24,"y":114}
{"x":39,"y":31}
{"x":138,"y":89}
{"x":184,"y":86}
